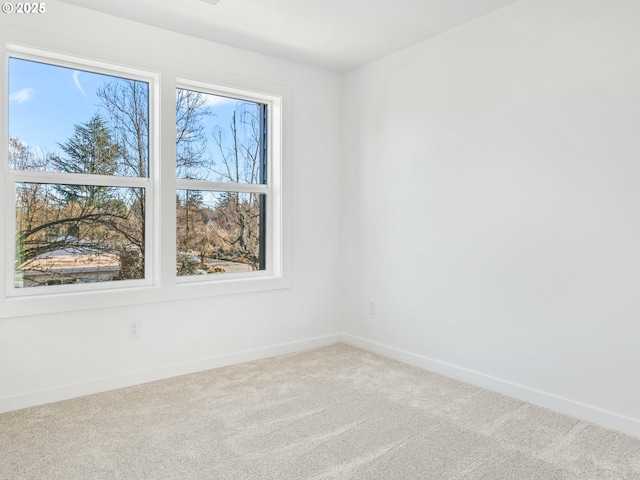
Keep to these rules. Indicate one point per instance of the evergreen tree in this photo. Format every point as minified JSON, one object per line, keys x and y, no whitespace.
{"x":90,"y":151}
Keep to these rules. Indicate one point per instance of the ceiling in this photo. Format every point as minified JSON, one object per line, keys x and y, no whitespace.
{"x":337,"y":35}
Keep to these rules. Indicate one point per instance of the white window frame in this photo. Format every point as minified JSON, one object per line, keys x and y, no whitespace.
{"x":161,"y":282}
{"x":14,"y":177}
{"x":270,"y":189}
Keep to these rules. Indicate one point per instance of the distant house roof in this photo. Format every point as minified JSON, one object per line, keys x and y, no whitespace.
{"x":70,"y":263}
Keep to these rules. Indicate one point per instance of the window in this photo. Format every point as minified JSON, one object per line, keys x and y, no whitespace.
{"x":78,"y":160}
{"x":223,"y":194}
{"x":90,"y":203}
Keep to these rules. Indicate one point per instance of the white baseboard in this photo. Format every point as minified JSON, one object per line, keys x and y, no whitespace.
{"x":65,"y":392}
{"x":589,"y":413}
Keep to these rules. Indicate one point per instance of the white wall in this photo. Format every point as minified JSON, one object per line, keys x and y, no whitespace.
{"x":492,"y":193}
{"x":54,"y":356}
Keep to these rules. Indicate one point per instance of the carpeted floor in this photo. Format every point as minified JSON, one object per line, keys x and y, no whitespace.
{"x":331,"y":413}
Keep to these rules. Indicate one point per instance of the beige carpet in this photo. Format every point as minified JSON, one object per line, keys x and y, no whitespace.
{"x":331,"y":413}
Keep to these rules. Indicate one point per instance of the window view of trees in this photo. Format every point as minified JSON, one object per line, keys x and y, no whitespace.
{"x":81,"y":215}
{"x":220,"y":229}
{"x":218,"y":232}
{"x":78,"y":223}
{"x":78,"y":233}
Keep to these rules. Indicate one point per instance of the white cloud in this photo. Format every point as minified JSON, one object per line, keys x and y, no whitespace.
{"x":22,"y":95}
{"x":77,"y":82}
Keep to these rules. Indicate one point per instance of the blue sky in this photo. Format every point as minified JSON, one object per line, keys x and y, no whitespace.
{"x":46,"y":101}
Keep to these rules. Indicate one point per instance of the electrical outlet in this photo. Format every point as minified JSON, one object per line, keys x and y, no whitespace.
{"x":134,"y":328}
{"x":372,"y":307}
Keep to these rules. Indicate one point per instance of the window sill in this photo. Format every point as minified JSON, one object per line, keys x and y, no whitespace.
{"x":40,"y":304}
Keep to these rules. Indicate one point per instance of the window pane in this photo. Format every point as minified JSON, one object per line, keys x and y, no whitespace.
{"x":74,"y":121}
{"x":219,"y":139}
{"x":219,"y":232}
{"x":78,"y":234}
